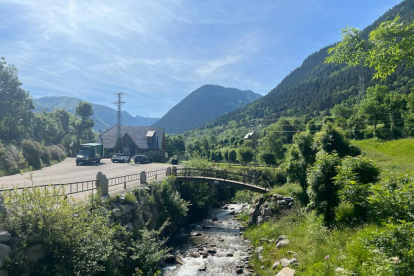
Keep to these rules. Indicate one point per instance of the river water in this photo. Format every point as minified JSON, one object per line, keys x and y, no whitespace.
{"x":213,"y":247}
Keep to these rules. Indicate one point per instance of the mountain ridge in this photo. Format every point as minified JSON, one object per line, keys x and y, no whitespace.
{"x":203,"y":105}
{"x":315,"y":86}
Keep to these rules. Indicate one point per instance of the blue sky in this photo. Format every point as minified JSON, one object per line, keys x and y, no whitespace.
{"x":160,"y":51}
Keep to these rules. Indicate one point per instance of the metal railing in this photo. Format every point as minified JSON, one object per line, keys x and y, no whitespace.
{"x":90,"y":185}
{"x":250,"y":177}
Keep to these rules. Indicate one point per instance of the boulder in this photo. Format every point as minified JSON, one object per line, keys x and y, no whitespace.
{"x":4,"y":252}
{"x":4,"y":236}
{"x":170,"y":259}
{"x":288,"y":199}
{"x":35,"y":252}
{"x":116,"y":212}
{"x":286,"y":271}
{"x":282,"y":243}
{"x":275,"y":265}
{"x":259,"y":249}
{"x":129,"y":227}
{"x":285,"y":262}
{"x":280,"y":238}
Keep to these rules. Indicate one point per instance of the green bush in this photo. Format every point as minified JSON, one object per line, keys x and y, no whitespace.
{"x":322,"y":191}
{"x":11,"y":159}
{"x":174,"y":206}
{"x":355,"y":177}
{"x":393,"y":200}
{"x":233,"y":155}
{"x":130,"y":198}
{"x":32,"y":151}
{"x":77,"y":239}
{"x":245,"y":196}
{"x":331,"y":139}
{"x":57,"y":153}
{"x":397,"y":243}
{"x":245,"y":154}
{"x":45,"y":155}
{"x":148,"y":251}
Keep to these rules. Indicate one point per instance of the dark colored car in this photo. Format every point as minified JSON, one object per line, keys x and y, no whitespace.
{"x":142,"y":159}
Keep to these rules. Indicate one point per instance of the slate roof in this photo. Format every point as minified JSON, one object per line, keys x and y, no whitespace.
{"x":137,"y":133}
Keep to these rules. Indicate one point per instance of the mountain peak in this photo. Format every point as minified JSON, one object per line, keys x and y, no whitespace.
{"x":203,"y":105}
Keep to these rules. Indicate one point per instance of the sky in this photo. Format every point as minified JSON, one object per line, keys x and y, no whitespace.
{"x":158,"y":52}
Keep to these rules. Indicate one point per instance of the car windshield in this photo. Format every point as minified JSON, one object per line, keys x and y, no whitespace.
{"x":84,"y":152}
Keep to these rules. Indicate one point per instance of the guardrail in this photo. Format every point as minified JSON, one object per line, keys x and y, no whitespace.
{"x":90,"y":185}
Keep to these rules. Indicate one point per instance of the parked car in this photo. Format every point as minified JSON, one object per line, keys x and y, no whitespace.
{"x":142,"y":159}
{"x":120,"y":157}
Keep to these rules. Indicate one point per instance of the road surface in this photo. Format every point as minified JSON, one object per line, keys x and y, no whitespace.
{"x":67,"y":171}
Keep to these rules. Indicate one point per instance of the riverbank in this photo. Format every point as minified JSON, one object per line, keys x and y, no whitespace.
{"x":214,"y":246}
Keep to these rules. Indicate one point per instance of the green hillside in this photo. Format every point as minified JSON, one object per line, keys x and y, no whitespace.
{"x":104,"y":117}
{"x":315,"y":87}
{"x":203,"y":105}
{"x":395,"y":156}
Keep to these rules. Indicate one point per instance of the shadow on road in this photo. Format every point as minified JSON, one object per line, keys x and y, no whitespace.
{"x":93,"y":164}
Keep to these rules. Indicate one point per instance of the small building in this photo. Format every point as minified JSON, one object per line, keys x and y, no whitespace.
{"x":249,"y":135}
{"x":146,"y":140}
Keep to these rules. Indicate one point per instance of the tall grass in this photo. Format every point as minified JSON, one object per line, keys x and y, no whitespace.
{"x":395,"y":156}
{"x":320,"y":251}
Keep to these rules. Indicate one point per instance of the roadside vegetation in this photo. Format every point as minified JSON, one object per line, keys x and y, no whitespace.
{"x":58,"y":235}
{"x":31,"y":140}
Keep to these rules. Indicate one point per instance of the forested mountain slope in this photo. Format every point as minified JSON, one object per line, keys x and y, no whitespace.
{"x":203,"y":105}
{"x":104,"y":117}
{"x":315,"y":87}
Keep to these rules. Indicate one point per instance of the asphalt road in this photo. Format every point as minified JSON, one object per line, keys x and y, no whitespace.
{"x":67,"y":171}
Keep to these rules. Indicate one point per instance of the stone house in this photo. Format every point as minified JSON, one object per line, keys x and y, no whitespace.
{"x":146,"y":140}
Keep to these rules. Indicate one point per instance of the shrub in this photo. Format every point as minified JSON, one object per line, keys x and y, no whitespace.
{"x":245,"y":196}
{"x":322,"y":191}
{"x":397,"y":242}
{"x":331,"y":139}
{"x":245,"y":154}
{"x":57,"y":152}
{"x":12,"y":160}
{"x":130,"y":198}
{"x":233,"y":155}
{"x":354,"y":179}
{"x":148,"y":251}
{"x":45,"y":155}
{"x":268,"y":158}
{"x":198,"y":162}
{"x":78,"y":240}
{"x":174,"y":207}
{"x":32,"y":151}
{"x":393,"y":200}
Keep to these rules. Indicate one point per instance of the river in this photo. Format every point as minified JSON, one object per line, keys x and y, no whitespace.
{"x":214,"y":247}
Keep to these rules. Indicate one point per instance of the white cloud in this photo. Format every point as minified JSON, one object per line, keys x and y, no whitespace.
{"x":216,"y":64}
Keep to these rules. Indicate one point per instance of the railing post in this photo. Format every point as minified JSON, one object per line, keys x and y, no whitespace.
{"x":143,"y":178}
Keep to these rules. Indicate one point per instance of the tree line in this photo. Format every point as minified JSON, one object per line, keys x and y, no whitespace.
{"x":36,"y":139}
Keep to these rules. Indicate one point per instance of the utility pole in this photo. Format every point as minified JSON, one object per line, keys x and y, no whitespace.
{"x":119,"y":104}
